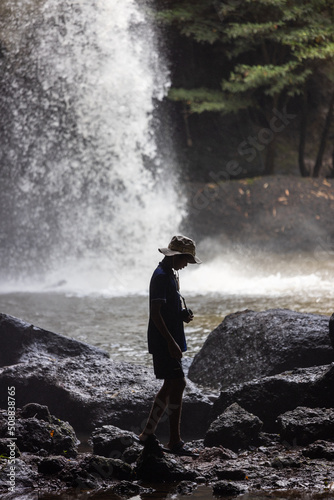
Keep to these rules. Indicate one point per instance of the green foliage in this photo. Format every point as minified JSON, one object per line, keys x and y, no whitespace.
{"x":204,"y":99}
{"x":273,"y":47}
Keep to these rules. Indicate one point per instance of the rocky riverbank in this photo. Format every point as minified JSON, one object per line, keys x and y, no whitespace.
{"x":270,"y":433}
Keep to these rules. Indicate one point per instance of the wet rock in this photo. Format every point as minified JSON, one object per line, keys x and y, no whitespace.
{"x":81,"y":384}
{"x":129,"y":489}
{"x":34,"y":435}
{"x":16,"y":477}
{"x":5,"y":450}
{"x":249,"y":345}
{"x":111,"y":441}
{"x":184,"y":488}
{"x":231,"y":474}
{"x":34,"y":410}
{"x":217,"y":453}
{"x":331,"y":329}
{"x":320,"y":449}
{"x":226,"y":488}
{"x":51,"y":465}
{"x":322,"y":393}
{"x":272,"y":396}
{"x":107,"y":468}
{"x":281,"y":462}
{"x":21,"y":341}
{"x":131,"y":454}
{"x":235,"y":428}
{"x":305,"y":425}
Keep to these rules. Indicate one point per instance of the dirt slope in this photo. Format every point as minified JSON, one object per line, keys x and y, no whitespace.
{"x":278,"y":213}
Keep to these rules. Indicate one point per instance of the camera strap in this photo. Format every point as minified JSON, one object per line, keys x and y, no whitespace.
{"x":183,"y":300}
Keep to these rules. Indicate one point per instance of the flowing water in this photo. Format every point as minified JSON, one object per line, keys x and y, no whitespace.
{"x":226,"y":284}
{"x":89,"y":187}
{"x":86,"y":187}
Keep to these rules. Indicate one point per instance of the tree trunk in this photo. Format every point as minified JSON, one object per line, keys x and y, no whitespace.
{"x":318,"y":163}
{"x":269,"y":162}
{"x":302,"y":138}
{"x":270,"y":150}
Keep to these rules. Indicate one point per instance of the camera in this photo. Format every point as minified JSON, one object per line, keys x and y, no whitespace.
{"x":186,"y":314}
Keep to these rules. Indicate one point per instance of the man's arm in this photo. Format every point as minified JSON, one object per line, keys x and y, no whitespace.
{"x":173,"y":347}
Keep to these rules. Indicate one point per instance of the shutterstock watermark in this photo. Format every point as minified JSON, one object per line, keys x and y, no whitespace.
{"x":279,"y":121}
{"x":248,"y":148}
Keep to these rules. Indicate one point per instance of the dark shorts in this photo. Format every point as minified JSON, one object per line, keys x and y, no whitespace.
{"x":166,"y":367}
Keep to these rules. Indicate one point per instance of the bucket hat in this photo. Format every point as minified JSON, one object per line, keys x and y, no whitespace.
{"x":181,"y":245}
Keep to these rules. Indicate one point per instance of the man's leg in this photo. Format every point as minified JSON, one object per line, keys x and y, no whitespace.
{"x":177,"y":387}
{"x":159,"y":406}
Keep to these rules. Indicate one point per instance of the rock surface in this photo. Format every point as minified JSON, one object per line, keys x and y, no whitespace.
{"x":81,"y":384}
{"x":108,"y":397}
{"x":249,"y":345}
{"x":270,"y":466}
{"x":303,"y":426}
{"x":270,"y":397}
{"x":22,"y":342}
{"x":36,"y":431}
{"x":235,"y":429}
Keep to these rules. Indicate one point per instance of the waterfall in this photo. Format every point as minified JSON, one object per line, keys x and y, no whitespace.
{"x":89,"y":190}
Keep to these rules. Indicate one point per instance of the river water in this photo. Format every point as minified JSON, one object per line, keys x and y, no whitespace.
{"x":228,"y":283}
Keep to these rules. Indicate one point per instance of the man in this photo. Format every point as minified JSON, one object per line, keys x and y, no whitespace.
{"x":166,"y":339}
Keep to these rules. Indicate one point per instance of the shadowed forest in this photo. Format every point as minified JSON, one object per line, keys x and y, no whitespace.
{"x":252,"y":86}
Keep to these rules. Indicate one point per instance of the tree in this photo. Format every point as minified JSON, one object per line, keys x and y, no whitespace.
{"x":271,"y":48}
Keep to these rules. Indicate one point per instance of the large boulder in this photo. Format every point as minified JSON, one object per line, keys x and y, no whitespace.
{"x":21,"y":341}
{"x":235,"y":428}
{"x":303,"y":426}
{"x":81,"y":385}
{"x":36,"y":431}
{"x":249,"y":345}
{"x":272,"y":396}
{"x":331,"y":329}
{"x":111,"y":441}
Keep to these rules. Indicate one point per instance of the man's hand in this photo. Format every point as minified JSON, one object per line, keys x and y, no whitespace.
{"x":189,"y":318}
{"x":174,"y":350}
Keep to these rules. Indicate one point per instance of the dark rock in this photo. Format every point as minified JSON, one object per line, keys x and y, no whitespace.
{"x":81,"y":384}
{"x":107,"y":468}
{"x":51,"y":465}
{"x":303,"y":426}
{"x":320,"y":449}
{"x":226,"y":488}
{"x":127,"y":489}
{"x":272,"y":396}
{"x":322,"y":393}
{"x":232,"y":474}
{"x":235,"y":428}
{"x":281,"y":462}
{"x":131,"y":455}
{"x":184,"y":488}
{"x":217,"y":453}
{"x":33,"y":435}
{"x":249,"y":345}
{"x":111,"y":441}
{"x":331,"y":329}
{"x":34,"y":410}
{"x":25,"y":476}
{"x":5,"y":451}
{"x":21,"y":341}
